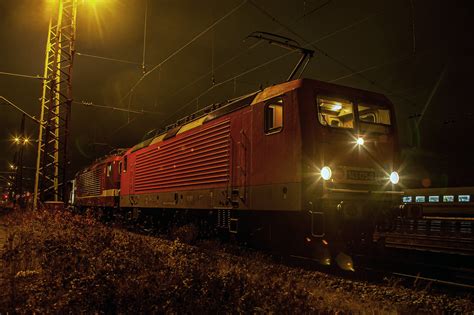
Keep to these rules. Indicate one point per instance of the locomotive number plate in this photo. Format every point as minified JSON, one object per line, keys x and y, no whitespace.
{"x":360,"y":175}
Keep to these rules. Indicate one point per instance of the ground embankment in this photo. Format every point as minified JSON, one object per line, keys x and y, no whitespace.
{"x":60,"y":262}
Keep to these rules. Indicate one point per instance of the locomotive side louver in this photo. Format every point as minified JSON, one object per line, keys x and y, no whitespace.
{"x":201,"y":158}
{"x":88,"y":183}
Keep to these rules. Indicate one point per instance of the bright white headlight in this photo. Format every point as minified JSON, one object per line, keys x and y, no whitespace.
{"x":360,"y":141}
{"x":394,"y":178}
{"x":326,"y":173}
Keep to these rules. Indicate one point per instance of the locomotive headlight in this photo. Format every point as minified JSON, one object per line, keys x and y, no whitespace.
{"x":326,"y":172}
{"x":360,"y":141}
{"x":394,"y":177}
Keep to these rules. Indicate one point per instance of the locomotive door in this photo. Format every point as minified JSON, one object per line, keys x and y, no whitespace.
{"x":275,"y":155}
{"x":242,"y":157}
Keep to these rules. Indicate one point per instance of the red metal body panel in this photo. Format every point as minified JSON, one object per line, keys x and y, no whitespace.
{"x":99,"y":184}
{"x":197,"y":159}
{"x":275,"y":170}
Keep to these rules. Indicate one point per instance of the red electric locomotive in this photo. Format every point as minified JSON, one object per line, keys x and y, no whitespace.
{"x":98,"y":185}
{"x":298,"y":165}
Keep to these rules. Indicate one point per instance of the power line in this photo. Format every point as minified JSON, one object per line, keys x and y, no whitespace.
{"x":432,"y":93}
{"x":144,"y":37}
{"x":20,"y":110}
{"x":380,"y":65}
{"x":258,"y":43}
{"x":182,"y":48}
{"x":326,"y":54}
{"x":109,"y":59}
{"x":90,"y":104}
{"x":38,"y":77}
{"x":271,"y":61}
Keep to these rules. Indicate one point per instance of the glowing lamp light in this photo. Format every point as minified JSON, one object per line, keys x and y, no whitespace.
{"x":16,"y":140}
{"x":336,"y":106}
{"x":394,"y":178}
{"x":26,"y":141}
{"x":326,"y":173}
{"x":360,"y":141}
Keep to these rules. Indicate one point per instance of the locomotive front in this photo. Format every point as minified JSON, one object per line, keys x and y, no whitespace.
{"x":350,"y":152}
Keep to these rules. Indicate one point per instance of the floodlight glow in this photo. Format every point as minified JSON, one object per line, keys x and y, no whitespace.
{"x":360,"y":141}
{"x":394,"y":177}
{"x":326,"y":173}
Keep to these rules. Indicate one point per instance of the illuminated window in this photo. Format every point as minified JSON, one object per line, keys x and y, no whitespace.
{"x":420,"y":198}
{"x":335,"y":112}
{"x":448,"y":198}
{"x":464,"y":198}
{"x":373,"y":114}
{"x":109,"y":169}
{"x":433,"y":199}
{"x":407,"y":199}
{"x":274,"y":116}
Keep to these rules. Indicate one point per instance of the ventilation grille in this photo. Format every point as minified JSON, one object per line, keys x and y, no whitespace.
{"x":202,"y":158}
{"x":88,"y":183}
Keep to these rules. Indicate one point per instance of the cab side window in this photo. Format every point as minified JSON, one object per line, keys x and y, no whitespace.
{"x":109,"y":169}
{"x":274,"y":116}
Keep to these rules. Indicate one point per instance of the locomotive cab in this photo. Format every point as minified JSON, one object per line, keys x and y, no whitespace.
{"x":98,"y":186}
{"x":350,"y":161}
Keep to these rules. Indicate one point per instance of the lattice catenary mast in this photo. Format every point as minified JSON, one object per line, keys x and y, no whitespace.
{"x":52,"y":160}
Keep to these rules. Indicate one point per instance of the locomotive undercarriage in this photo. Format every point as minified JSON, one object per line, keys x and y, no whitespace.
{"x":326,"y":230}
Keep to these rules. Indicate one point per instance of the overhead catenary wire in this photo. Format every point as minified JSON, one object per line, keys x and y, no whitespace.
{"x":134,"y":86}
{"x":120,"y":109}
{"x":240,"y":54}
{"x":271,"y":61}
{"x":108,"y":58}
{"x":412,"y":4}
{"x":144,"y":37}
{"x":432,"y":93}
{"x":233,"y":79}
{"x":326,"y":54}
{"x":19,"y":75}
{"x":8,"y":102}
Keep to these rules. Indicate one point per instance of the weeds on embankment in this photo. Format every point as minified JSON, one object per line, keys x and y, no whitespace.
{"x":61,"y":262}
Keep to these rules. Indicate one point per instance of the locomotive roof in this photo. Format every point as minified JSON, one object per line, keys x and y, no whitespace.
{"x":217,"y":110}
{"x":103,"y":159}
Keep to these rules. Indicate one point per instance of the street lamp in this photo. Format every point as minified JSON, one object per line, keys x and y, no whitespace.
{"x":19,"y":140}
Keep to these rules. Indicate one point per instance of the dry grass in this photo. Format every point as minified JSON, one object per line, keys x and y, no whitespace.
{"x":60,"y":262}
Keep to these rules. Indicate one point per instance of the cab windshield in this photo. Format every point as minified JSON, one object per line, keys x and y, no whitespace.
{"x":335,"y":112}
{"x":338,"y":113}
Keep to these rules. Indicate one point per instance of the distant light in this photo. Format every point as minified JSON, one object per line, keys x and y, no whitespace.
{"x":394,"y":178}
{"x":26,"y":141}
{"x":12,"y":166}
{"x":16,"y":139}
{"x":360,"y":141}
{"x":326,"y":173}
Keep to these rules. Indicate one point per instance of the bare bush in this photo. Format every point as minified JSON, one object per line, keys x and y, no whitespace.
{"x":63,"y":263}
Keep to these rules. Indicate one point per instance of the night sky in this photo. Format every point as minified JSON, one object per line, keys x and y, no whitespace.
{"x":401,"y":48}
